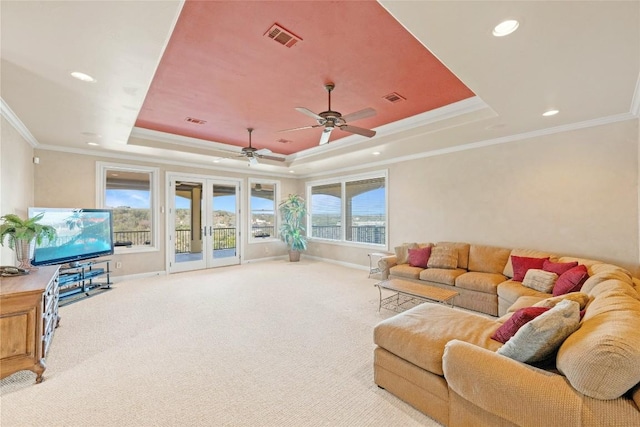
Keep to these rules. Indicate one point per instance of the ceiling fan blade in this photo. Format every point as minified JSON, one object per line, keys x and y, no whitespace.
{"x":263,"y":151}
{"x":274,"y":158}
{"x":352,"y":117}
{"x":326,"y":134}
{"x":359,"y":131}
{"x":253,"y":161}
{"x":309,"y":113}
{"x":300,"y":128}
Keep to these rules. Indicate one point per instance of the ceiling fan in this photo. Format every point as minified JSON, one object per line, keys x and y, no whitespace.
{"x":330,"y":120}
{"x":253,"y":154}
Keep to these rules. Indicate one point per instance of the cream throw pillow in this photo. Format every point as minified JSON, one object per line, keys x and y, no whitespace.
{"x":579,"y":297}
{"x":539,"y":338}
{"x":540,"y":280}
{"x":443,"y":257}
{"x":402,"y":252}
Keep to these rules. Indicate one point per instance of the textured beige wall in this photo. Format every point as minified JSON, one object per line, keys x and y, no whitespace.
{"x":16,"y":179}
{"x":68,"y":180}
{"x":573,"y":193}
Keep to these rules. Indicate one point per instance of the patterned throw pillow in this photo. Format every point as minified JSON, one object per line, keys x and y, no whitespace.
{"x":419,"y":257}
{"x":443,"y":257}
{"x":579,"y":297}
{"x":540,"y":280}
{"x":539,"y":338}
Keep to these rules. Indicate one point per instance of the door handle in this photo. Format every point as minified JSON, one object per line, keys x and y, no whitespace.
{"x":210,"y":231}
{"x":204,"y":231}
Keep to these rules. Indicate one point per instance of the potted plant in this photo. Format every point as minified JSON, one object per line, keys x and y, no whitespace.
{"x":293,"y":212}
{"x":23,"y":234}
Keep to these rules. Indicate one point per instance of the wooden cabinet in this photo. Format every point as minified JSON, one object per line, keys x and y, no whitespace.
{"x":28,"y":318}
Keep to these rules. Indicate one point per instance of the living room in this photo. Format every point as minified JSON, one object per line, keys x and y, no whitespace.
{"x":568,"y":183}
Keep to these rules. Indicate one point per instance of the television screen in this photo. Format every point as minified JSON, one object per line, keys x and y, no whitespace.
{"x":80,"y":234}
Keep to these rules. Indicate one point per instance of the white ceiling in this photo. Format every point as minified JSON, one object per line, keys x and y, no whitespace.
{"x":582,"y":58}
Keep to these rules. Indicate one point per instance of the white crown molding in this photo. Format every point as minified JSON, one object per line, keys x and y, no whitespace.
{"x":185,"y":141}
{"x":159,"y":160}
{"x":17,"y":124}
{"x":635,"y":101}
{"x":479,"y":144}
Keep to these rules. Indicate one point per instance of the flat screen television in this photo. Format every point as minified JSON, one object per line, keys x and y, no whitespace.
{"x":81,"y":234}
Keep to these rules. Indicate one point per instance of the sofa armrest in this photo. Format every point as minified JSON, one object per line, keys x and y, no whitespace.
{"x":509,"y":389}
{"x":384,"y":264}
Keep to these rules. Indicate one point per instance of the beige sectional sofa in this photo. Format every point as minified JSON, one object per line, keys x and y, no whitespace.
{"x":444,"y":362}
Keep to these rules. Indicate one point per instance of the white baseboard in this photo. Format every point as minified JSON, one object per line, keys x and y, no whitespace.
{"x":117,"y":279}
{"x":271,"y":258}
{"x":333,"y":261}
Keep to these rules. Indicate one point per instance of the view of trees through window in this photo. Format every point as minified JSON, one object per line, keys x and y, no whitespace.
{"x":128,"y":194}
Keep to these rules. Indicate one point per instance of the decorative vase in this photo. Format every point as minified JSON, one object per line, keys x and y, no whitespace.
{"x":24,"y":253}
{"x":294,"y":256}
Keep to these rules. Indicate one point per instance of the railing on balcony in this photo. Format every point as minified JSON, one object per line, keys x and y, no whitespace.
{"x":262,"y":231}
{"x":375,"y":234}
{"x":135,"y":238}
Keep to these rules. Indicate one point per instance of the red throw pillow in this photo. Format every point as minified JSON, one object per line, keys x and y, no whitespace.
{"x":516,"y":321}
{"x":558,"y":267}
{"x":521,"y":264}
{"x":419,"y":257}
{"x":571,"y":281}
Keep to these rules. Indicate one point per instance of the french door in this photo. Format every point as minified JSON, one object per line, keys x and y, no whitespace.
{"x":203,"y":222}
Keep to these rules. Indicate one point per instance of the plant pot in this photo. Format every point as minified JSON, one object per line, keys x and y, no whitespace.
{"x":24,"y":253}
{"x":294,"y":256}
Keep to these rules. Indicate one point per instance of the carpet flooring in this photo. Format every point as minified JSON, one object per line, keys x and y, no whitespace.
{"x":263,"y":344}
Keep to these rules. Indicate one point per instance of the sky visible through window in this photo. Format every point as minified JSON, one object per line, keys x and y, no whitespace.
{"x":139,"y":199}
{"x":369,"y":203}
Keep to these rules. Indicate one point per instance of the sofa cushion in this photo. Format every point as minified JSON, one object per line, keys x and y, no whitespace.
{"x":463,"y":252}
{"x":488,"y":259}
{"x":571,"y":281}
{"x":406,"y":271}
{"x":441,"y":275}
{"x":524,"y":301}
{"x":581,"y":298}
{"x":481,"y":282}
{"x":510,"y":291}
{"x":402,"y":252}
{"x":539,"y":338}
{"x":419,"y":335}
{"x":443,"y":257}
{"x":520,"y":318}
{"x":523,"y":264}
{"x":419,"y":257}
{"x":602,"y":358}
{"x":530,"y":253}
{"x":540,"y":280}
{"x":558,"y":267}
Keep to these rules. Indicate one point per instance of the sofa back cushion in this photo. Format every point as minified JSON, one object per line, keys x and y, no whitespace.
{"x":463,"y":252}
{"x":488,"y":259}
{"x":529,"y":253}
{"x":602,"y":358}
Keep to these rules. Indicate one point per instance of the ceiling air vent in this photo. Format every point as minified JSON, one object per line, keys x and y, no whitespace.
{"x":394,"y":97}
{"x":284,"y":141}
{"x":195,"y":121}
{"x":282,"y":36}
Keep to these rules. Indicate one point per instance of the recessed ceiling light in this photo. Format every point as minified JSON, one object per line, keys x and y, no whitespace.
{"x":216,"y":161}
{"x":292,"y":171}
{"x":92,"y":143}
{"x":550,"y":113}
{"x":376,"y":153}
{"x":82,"y":76}
{"x":505,"y":28}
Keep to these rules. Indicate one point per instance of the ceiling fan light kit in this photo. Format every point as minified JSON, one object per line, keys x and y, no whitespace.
{"x":329,"y":120}
{"x":253,"y":154}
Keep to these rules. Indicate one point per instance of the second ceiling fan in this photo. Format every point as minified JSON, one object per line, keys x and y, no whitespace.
{"x":329,"y":120}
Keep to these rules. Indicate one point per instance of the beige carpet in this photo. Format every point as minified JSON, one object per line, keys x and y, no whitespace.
{"x":263,"y":344}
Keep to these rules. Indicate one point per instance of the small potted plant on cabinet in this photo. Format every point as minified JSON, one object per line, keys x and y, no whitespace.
{"x":23,"y":234}
{"x":293,"y":212}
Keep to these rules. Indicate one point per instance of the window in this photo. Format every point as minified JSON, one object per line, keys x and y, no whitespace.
{"x":352,"y":209}
{"x":131,"y":192}
{"x":263,"y":205}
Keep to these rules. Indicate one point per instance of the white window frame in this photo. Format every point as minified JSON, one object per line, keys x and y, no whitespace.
{"x":154,"y":180}
{"x":343,"y":181}
{"x":276,"y":219}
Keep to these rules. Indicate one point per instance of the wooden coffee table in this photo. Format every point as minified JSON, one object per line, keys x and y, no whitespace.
{"x":409,"y":294}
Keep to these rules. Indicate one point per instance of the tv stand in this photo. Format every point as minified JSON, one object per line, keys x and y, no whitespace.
{"x":80,"y":279}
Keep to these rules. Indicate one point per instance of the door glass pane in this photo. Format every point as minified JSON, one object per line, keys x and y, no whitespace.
{"x":224,"y":221}
{"x":188,"y":226}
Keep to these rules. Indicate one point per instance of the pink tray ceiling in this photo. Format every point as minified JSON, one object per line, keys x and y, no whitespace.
{"x":220,"y":68}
